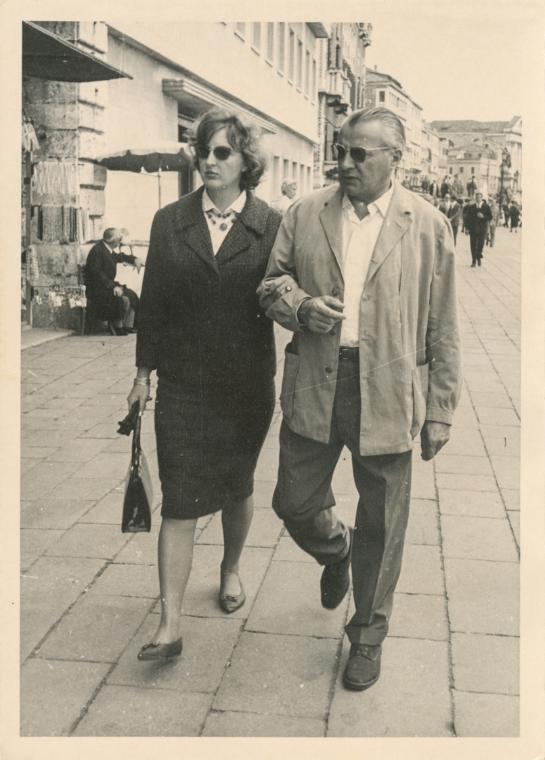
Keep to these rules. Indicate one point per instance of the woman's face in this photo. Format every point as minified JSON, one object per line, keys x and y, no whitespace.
{"x":221,"y":173}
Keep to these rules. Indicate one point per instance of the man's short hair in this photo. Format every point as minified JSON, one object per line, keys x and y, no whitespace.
{"x":394,"y":129}
{"x":287,"y":184}
{"x":111,"y":233}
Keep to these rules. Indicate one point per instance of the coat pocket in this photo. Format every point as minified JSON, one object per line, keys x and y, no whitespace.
{"x":287,"y":393}
{"x":419,"y":403}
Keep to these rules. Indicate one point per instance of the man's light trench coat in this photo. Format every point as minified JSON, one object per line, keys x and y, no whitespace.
{"x":408,"y":320}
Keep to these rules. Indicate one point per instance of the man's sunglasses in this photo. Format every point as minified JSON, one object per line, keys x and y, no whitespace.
{"x":221,"y":153}
{"x":358,"y":155}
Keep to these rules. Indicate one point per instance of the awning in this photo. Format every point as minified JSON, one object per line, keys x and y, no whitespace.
{"x":48,"y":56}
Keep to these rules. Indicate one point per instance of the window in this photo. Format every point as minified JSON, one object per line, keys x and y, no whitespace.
{"x":240,"y":29}
{"x":309,"y":180}
{"x":314,"y":83}
{"x":286,"y":172}
{"x":473,"y":170}
{"x":461,"y":169}
{"x":291,"y":56}
{"x":299,"y":82}
{"x":294,"y":171}
{"x":381,"y":96}
{"x":256,"y":36}
{"x":270,"y":42}
{"x":281,"y":46}
{"x":307,"y":73}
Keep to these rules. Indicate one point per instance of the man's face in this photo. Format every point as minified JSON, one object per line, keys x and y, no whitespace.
{"x":478,"y":197}
{"x":366,"y":181}
{"x":447,"y":198}
{"x":291,"y":189}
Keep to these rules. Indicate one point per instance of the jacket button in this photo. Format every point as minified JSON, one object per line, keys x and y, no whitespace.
{"x":335,"y":292}
{"x":329,"y":369}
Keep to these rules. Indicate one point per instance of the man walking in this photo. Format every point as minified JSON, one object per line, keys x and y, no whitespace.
{"x":477,"y":218}
{"x":453,"y":211}
{"x":363,"y":274}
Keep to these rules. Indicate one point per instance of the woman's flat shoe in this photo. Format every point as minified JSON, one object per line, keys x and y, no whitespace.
{"x":161,"y":651}
{"x":231,"y":603}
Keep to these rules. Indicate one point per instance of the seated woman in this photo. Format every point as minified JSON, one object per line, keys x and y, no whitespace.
{"x":107,"y":299}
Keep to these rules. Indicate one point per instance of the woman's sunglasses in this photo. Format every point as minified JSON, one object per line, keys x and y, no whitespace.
{"x":221,"y":153}
{"x":358,"y":155}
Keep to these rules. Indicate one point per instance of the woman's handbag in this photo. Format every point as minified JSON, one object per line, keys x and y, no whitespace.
{"x":138,"y":488}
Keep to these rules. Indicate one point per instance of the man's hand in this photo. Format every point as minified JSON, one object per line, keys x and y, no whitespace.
{"x":433,"y":437}
{"x":118,"y":290}
{"x":321,"y":314}
{"x":137,"y":264}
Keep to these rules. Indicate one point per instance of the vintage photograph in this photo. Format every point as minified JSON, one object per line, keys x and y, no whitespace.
{"x":270,"y":312}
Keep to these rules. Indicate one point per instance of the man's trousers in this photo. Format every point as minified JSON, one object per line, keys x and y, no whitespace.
{"x":476,"y":242}
{"x":303,"y":499}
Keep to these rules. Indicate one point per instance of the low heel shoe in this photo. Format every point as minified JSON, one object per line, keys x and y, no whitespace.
{"x":335,"y":580}
{"x":161,"y":651}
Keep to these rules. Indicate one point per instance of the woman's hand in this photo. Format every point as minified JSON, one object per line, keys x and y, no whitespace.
{"x":140,"y":393}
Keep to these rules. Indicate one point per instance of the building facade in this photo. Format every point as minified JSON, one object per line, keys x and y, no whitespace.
{"x":267,"y":71}
{"x":342,"y":83}
{"x":494,"y":150}
{"x":383,"y":90}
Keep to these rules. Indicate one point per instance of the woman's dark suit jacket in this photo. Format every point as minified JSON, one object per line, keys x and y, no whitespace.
{"x":200,"y":323}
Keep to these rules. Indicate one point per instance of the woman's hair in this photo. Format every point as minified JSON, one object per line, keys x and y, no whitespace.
{"x":241,"y":136}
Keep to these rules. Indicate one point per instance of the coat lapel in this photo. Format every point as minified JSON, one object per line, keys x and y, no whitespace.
{"x":189,"y":218}
{"x":331,"y":219}
{"x":398,"y":220}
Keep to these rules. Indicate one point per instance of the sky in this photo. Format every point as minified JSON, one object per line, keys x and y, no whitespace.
{"x":456,"y":61}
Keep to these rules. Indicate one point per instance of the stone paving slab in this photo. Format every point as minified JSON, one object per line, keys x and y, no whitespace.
{"x":486,"y":714}
{"x":50,"y":586}
{"x":97,"y":628}
{"x":87,"y":540}
{"x":265,"y":530}
{"x":411,"y":697}
{"x":423,"y":526}
{"x":128,"y":580}
{"x":471,"y":503}
{"x":208,"y":644}
{"x":201,"y":597}
{"x":483,"y":596}
{"x":86,"y":488}
{"x":462,"y":465}
{"x":229,"y":723}
{"x":52,"y":513}
{"x":419,"y":616}
{"x":421,"y":571}
{"x":127,"y":711}
{"x":107,"y":510}
{"x":289,"y":603}
{"x":34,"y":542}
{"x":486,"y":663}
{"x":54,"y":694}
{"x":478,"y":538}
{"x":284,"y":675}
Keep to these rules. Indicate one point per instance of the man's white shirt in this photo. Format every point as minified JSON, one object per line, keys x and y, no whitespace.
{"x":359,"y":237}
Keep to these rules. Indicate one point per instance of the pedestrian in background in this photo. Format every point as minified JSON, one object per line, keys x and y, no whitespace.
{"x":514,"y":217}
{"x":494,"y":219}
{"x":453,"y":211}
{"x":506,"y":214}
{"x":371,"y":298}
{"x":288,"y":192}
{"x":471,"y":187}
{"x":477,"y":218}
{"x":202,"y":329}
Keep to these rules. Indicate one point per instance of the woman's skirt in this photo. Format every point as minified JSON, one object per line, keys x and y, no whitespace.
{"x":208,"y":443}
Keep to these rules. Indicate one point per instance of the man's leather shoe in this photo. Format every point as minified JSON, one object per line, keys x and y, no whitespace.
{"x":335,"y":580}
{"x":363,"y":667}
{"x":161,"y":651}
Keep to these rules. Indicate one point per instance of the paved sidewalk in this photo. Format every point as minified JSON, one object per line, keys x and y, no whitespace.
{"x":89,"y":593}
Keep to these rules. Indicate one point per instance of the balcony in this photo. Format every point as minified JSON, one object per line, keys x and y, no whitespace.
{"x":338,"y":86}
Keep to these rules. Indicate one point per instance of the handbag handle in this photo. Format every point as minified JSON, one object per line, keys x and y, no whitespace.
{"x":136,"y":448}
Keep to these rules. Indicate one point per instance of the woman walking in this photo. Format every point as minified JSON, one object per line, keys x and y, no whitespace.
{"x":201,"y":328}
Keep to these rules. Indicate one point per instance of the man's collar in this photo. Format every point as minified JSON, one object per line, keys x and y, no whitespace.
{"x":380,"y":204}
{"x":108,"y":246}
{"x":237,"y":205}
